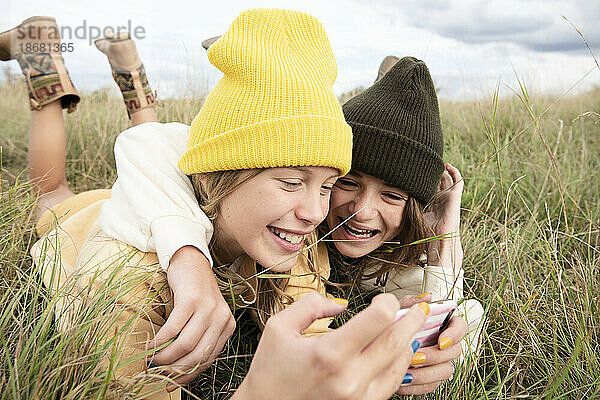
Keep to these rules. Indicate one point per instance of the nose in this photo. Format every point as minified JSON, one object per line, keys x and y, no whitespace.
{"x":364,"y":207}
{"x":313,"y":208}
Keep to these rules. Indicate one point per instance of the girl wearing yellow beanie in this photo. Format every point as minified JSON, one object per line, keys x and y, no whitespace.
{"x":262,"y":153}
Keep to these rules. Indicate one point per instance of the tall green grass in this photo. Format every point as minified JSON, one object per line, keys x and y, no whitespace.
{"x":530,"y":227}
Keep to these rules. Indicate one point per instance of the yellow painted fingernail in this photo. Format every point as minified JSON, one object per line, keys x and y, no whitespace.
{"x":418,"y":359}
{"x":171,"y":388}
{"x":422,"y":295}
{"x":445,"y":342}
{"x":340,"y":301}
{"x":425,"y":307}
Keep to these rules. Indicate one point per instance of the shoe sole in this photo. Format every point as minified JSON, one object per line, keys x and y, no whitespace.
{"x":5,"y":36}
{"x":120,"y":37}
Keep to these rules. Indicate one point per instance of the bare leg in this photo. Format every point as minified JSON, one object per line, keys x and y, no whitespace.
{"x":145,"y":115}
{"x":47,"y":156}
{"x":50,"y":90}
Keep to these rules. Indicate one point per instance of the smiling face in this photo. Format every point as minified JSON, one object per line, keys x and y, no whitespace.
{"x":379,"y":211}
{"x":269,"y":215}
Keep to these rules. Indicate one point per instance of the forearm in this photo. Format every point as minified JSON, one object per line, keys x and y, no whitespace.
{"x":444,"y":273}
{"x":152,"y":206}
{"x":447,"y":253}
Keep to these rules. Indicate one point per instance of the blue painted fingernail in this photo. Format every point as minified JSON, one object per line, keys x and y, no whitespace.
{"x":415,"y":346}
{"x":407,"y":379}
{"x":152,"y":365}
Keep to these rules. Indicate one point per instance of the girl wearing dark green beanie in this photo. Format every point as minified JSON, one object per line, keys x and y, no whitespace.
{"x":397,"y":212}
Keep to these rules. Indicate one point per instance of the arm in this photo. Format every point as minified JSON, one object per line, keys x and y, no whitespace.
{"x":152,"y":205}
{"x":201,"y":321}
{"x":443,"y":275}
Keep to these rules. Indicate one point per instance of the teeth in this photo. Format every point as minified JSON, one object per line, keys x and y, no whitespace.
{"x":294,"y":239}
{"x":361,"y":233}
{"x":360,"y":230}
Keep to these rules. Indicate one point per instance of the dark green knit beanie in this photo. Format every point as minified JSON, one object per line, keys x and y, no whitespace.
{"x":397,"y":131}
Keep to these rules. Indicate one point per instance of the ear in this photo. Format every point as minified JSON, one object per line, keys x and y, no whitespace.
{"x":206,"y":43}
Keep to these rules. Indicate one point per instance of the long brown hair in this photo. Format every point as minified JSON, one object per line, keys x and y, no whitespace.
{"x":269,"y":296}
{"x":404,"y":250}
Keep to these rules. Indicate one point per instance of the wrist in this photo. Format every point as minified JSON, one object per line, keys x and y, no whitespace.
{"x":445,"y":253}
{"x":189,"y":256}
{"x":189,"y":264}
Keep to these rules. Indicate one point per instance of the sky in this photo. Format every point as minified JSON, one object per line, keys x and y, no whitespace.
{"x":470,"y":46}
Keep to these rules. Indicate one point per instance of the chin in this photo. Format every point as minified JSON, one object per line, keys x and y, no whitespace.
{"x":351,"y":251}
{"x":283,"y":267}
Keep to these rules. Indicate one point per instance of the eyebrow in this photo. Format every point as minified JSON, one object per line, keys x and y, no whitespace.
{"x":389,"y":187}
{"x":303,"y":169}
{"x":308,"y":171}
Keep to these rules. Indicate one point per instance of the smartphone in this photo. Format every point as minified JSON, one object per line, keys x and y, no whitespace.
{"x":440,"y":313}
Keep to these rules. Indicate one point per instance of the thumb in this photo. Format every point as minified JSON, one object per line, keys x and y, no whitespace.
{"x":414,"y":319}
{"x":309,"y":308}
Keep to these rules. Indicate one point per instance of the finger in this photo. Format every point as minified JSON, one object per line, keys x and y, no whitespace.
{"x":224,"y":336}
{"x":390,"y":348}
{"x":174,"y":324}
{"x":209,"y":347}
{"x":456,"y":331}
{"x":303,"y":312}
{"x":185,"y":343}
{"x":387,"y":381}
{"x":396,"y":339}
{"x":455,"y":175}
{"x":432,"y":374}
{"x":415,"y":318}
{"x":205,"y":364}
{"x":409,"y":301}
{"x":364,"y":327}
{"x":191,"y":364}
{"x":434,"y":356}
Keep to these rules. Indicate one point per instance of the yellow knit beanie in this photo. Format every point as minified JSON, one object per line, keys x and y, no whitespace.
{"x":274,"y":107}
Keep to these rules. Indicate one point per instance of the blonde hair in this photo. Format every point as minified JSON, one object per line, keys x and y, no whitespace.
{"x":269,"y":297}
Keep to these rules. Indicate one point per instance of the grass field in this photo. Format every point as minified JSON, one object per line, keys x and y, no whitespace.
{"x":531,"y":216}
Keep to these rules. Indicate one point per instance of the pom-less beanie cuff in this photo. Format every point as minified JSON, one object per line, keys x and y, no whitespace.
{"x":321,"y":138}
{"x":397,"y":160}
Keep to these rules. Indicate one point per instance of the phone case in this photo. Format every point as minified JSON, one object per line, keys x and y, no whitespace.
{"x":438,"y":319}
